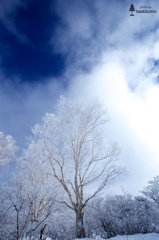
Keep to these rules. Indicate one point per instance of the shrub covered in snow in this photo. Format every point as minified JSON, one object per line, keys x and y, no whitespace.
{"x":122,"y":214}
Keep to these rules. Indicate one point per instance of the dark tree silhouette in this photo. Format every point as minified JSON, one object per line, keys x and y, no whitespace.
{"x":132,"y":9}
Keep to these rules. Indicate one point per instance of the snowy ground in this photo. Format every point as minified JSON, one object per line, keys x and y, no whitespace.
{"x":148,"y":236}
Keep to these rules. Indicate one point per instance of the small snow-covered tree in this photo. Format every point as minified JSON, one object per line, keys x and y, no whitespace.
{"x":7,"y":149}
{"x":70,"y":147}
{"x":146,"y":214}
{"x":152,"y":190}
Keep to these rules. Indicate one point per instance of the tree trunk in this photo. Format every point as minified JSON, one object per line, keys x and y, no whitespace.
{"x":42,"y":231}
{"x":80,"y":230}
{"x":17,"y":227}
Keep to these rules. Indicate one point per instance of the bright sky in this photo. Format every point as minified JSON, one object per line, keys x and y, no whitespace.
{"x":85,"y":48}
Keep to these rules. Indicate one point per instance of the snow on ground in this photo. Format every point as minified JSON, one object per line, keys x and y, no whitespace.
{"x":148,"y":236}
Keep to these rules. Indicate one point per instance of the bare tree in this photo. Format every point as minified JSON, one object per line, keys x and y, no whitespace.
{"x":70,"y":145}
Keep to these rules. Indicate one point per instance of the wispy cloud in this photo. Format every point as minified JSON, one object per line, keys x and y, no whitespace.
{"x":8,"y":11}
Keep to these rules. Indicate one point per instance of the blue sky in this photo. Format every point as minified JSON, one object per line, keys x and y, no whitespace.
{"x":26,"y":50}
{"x":83,"y":49}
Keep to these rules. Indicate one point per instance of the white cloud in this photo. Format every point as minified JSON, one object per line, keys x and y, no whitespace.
{"x":134,"y":119}
{"x":125,"y":79}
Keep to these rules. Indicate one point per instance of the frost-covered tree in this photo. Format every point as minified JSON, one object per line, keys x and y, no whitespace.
{"x":152,"y":190}
{"x":23,"y":213}
{"x":5,"y":216}
{"x":27,"y":203}
{"x":62,"y":224}
{"x":121,"y":215}
{"x":37,"y":193}
{"x":7,"y":149}
{"x":69,"y":146}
